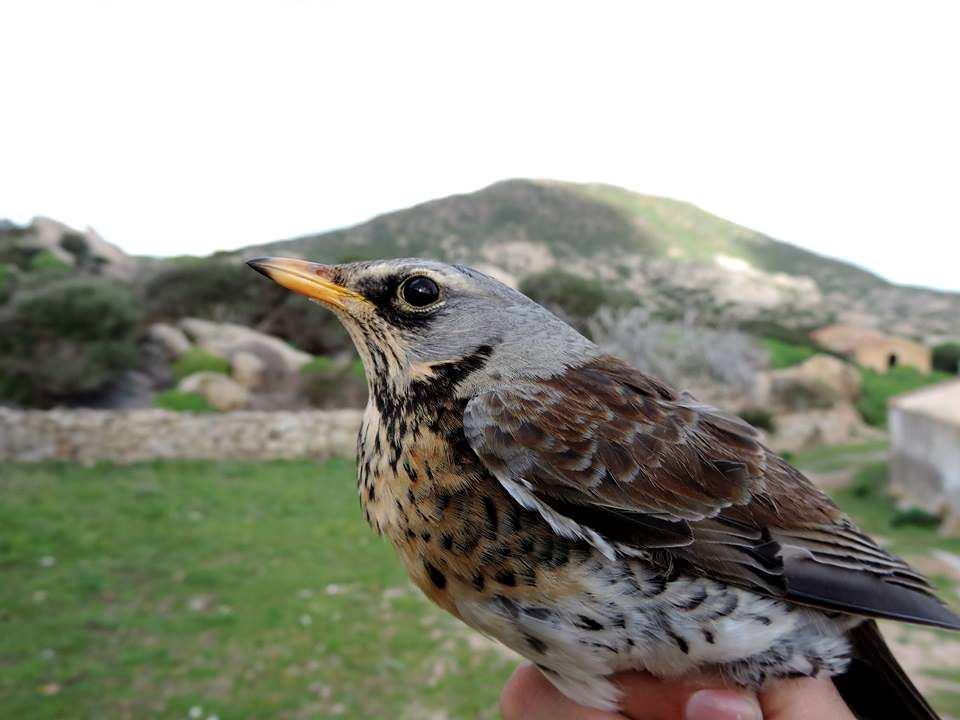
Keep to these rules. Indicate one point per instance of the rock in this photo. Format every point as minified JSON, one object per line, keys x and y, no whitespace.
{"x":247,"y":369}
{"x":839,"y":424}
{"x":110,"y":260}
{"x":226,"y":339}
{"x":172,"y":339}
{"x":820,"y":382}
{"x":222,"y":392}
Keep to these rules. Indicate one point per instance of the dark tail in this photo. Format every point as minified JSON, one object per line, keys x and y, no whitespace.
{"x":876,"y":687}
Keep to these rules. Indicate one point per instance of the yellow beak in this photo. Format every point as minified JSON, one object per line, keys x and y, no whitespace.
{"x":307,"y":278}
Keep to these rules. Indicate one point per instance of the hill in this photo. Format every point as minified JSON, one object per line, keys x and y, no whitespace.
{"x":676,"y":257}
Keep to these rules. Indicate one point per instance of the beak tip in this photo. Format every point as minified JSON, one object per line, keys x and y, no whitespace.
{"x":260,"y":265}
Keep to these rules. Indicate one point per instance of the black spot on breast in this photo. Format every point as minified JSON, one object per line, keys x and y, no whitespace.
{"x":538,"y":613}
{"x":680,"y":641}
{"x":694,"y":601}
{"x":588,"y":623}
{"x":507,"y":605}
{"x":708,"y":636}
{"x":446,"y":541}
{"x":425,"y":536}
{"x":505,"y":577}
{"x":479,"y":582}
{"x":436,"y":577}
{"x":537,"y":644}
{"x":730,"y":603}
{"x":411,"y":473}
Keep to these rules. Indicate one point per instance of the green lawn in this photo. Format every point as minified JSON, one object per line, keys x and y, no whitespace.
{"x":255,"y":590}
{"x":243,"y":589}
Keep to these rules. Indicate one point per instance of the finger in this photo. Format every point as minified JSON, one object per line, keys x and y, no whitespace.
{"x":804,"y":699}
{"x":528,"y":695}
{"x":649,"y":698}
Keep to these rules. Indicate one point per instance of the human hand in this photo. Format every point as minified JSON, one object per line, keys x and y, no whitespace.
{"x":530,"y":696}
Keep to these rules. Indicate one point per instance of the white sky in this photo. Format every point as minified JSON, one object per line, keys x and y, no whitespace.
{"x":188,"y":127}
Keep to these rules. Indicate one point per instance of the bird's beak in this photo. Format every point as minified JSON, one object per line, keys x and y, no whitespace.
{"x":307,"y":278}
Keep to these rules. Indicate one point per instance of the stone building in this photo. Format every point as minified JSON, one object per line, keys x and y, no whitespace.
{"x":925,"y":449}
{"x":873,"y":349}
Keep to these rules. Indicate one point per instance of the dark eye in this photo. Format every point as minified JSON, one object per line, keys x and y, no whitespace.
{"x":419,"y":291}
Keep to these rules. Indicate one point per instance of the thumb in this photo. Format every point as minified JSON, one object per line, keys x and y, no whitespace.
{"x":804,"y":699}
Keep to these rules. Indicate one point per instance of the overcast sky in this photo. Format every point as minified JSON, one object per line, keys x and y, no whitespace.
{"x":189,"y":127}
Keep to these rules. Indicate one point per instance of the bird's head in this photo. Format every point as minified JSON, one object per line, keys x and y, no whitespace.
{"x":410,"y":318}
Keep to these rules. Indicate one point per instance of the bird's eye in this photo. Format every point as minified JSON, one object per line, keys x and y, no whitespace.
{"x":419,"y":291}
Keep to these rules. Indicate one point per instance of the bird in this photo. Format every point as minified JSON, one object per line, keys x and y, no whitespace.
{"x":592,"y":518}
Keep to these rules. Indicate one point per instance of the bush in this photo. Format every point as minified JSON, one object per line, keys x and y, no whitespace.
{"x":784,"y":354}
{"x":328,"y":383}
{"x":182,"y":401}
{"x":196,"y":360}
{"x":213,"y":290}
{"x":66,"y":340}
{"x":769,"y":329}
{"x":576,"y":297}
{"x":48,"y":263}
{"x":914,"y":517}
{"x":8,"y":280}
{"x":306,"y":326}
{"x":680,"y":355}
{"x":760,"y":418}
{"x":877,"y":389}
{"x":870,"y":481}
{"x":946,"y":358}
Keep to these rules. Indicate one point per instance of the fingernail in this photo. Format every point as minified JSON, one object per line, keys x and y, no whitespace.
{"x":722,"y":705}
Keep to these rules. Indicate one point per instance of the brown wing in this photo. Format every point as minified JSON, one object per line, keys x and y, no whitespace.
{"x":613,"y":456}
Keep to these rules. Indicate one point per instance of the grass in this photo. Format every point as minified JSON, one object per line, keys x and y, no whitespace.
{"x":833,"y":458}
{"x":878,"y":388}
{"x":196,"y":360}
{"x":255,"y":590}
{"x":245,"y":589}
{"x":181,"y":401}
{"x":784,"y":354}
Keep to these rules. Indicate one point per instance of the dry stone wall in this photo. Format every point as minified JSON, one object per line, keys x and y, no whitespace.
{"x":125,"y":436}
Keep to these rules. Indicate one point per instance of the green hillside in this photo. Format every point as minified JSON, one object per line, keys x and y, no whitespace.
{"x":574,"y":221}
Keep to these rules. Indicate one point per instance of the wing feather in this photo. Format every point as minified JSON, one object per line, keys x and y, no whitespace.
{"x":610,"y":455}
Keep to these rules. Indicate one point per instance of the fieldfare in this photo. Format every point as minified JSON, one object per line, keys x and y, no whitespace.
{"x":589,"y":516}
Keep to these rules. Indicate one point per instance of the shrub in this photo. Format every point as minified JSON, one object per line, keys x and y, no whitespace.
{"x":306,"y":326}
{"x":48,"y":263}
{"x":328,"y":383}
{"x":946,"y":358}
{"x":197,"y":360}
{"x":182,"y":401}
{"x":8,"y":279}
{"x":784,"y":354}
{"x":878,"y":388}
{"x":760,"y":418}
{"x":681,"y":355}
{"x":576,"y":297}
{"x":870,"y":481}
{"x":210,"y":289}
{"x":915,"y":517}
{"x":66,"y":340}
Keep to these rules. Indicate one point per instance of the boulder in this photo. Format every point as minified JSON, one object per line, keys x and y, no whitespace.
{"x":247,"y":369}
{"x":820,"y":382}
{"x":227,"y":339}
{"x":222,"y":392}
{"x":172,"y":339}
{"x":831,"y":426}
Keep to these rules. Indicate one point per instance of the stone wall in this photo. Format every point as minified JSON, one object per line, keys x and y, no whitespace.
{"x":134,"y":435}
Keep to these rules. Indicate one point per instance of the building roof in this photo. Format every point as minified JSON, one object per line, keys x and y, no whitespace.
{"x":941,"y":401}
{"x":846,"y":339}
